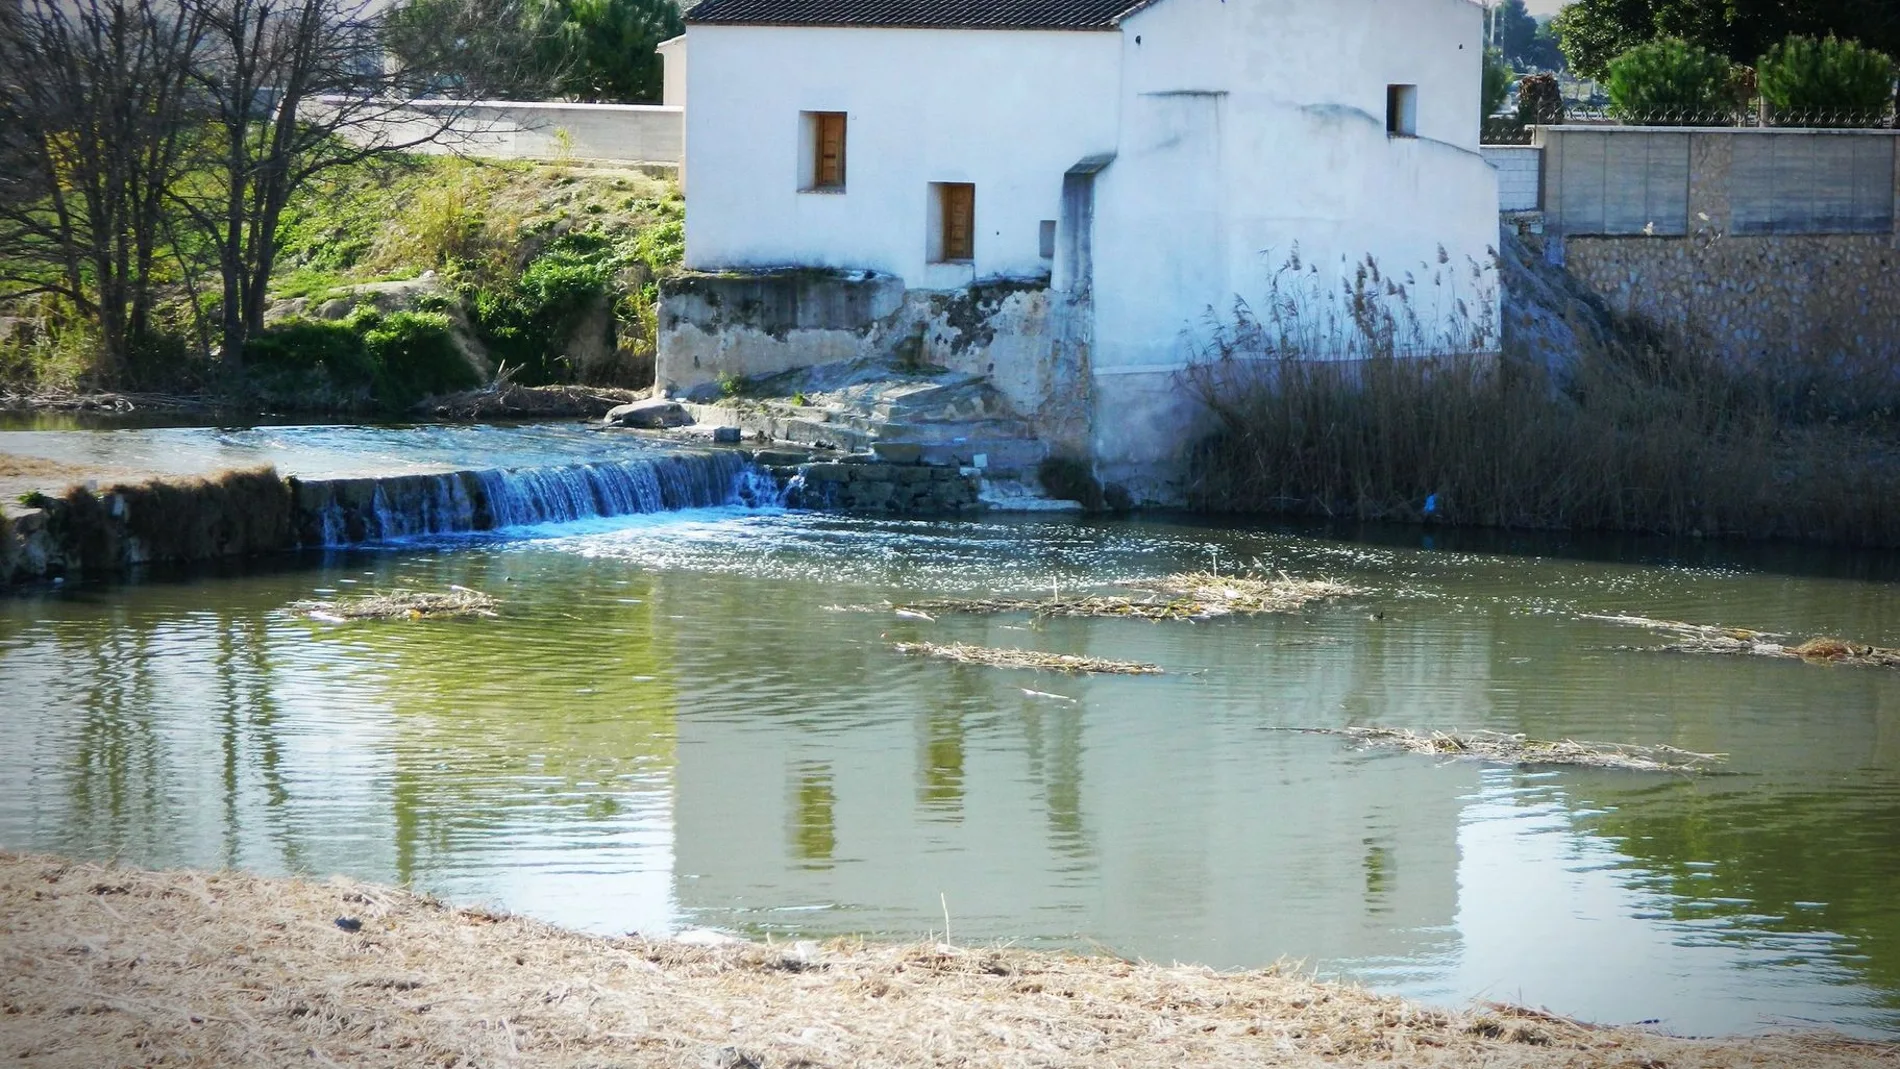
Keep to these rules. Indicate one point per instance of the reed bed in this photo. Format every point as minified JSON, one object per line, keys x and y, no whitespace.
{"x":400,"y":605}
{"x":1641,"y":436}
{"x":103,"y":965}
{"x":1508,"y":749}
{"x":1002,"y":658}
{"x":1705,"y":638}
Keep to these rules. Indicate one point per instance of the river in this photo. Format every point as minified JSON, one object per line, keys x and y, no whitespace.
{"x":674,"y":723}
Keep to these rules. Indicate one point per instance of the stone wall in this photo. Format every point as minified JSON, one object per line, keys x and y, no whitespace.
{"x":1769,"y":263}
{"x":910,"y":489}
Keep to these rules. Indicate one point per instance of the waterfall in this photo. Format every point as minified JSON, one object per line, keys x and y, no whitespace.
{"x":343,"y":511}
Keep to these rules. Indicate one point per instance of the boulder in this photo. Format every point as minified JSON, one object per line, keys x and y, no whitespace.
{"x":654,"y":413}
{"x":899,"y":452}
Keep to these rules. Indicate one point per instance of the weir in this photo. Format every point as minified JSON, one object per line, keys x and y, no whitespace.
{"x":340,"y":512}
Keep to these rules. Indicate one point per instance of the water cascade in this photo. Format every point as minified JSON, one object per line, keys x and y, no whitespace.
{"x":336,"y":512}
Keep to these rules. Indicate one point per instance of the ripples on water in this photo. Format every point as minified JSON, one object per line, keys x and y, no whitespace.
{"x":667,"y":727}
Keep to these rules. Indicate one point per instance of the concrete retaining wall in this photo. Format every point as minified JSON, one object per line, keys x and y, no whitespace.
{"x":501,"y":129}
{"x":1622,"y":181}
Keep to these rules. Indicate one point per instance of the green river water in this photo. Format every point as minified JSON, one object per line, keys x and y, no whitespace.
{"x":670,"y":726}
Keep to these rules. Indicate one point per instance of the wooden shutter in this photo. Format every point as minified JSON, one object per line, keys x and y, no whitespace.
{"x":959,"y":221}
{"x":830,"y":154}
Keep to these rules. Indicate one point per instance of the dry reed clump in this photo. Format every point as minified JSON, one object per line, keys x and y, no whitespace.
{"x":1704,"y":638}
{"x":233,"y":513}
{"x":103,"y":965}
{"x":400,"y":605}
{"x":171,"y":520}
{"x":1521,"y":750}
{"x":1055,"y":662}
{"x":1248,"y":594}
{"x":1187,"y":596}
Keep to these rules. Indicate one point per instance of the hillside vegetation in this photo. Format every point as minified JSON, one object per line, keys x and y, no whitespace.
{"x":403,"y":279}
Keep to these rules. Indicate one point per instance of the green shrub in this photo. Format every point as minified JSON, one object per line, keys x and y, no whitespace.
{"x":525,"y":323}
{"x":1826,"y":82}
{"x":415,"y":355}
{"x":395,"y":359}
{"x":333,"y":351}
{"x":1669,"y":82}
{"x":1498,"y":77}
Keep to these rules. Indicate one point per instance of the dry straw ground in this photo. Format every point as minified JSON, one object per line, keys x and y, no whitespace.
{"x":104,"y":966}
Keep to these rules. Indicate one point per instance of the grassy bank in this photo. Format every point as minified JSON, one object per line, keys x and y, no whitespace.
{"x":106,"y":965}
{"x":400,"y":280}
{"x":1636,"y":441}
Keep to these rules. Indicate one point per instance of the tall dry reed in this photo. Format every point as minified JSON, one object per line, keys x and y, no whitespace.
{"x":1319,"y":416}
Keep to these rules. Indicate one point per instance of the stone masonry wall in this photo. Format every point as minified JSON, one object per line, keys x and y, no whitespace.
{"x":908,"y":489}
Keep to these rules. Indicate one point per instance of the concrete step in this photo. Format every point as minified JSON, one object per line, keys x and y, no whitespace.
{"x":1011,"y":494}
{"x":999,"y":455}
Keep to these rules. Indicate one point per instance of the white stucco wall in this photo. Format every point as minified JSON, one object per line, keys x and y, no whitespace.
{"x":1250,"y":127}
{"x":1232,"y":130}
{"x":1009,"y":111}
{"x":673,"y":71}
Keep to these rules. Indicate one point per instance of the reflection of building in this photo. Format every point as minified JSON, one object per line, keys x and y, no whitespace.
{"x":1158,"y":817}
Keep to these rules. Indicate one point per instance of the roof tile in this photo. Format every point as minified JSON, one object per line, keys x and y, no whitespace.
{"x":920,"y":14}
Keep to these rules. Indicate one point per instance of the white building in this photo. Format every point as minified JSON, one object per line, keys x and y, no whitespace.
{"x":1152,"y":159}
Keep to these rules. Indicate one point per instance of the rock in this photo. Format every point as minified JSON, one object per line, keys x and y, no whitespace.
{"x":654,"y":413}
{"x":898,"y":452}
{"x":780,"y":458}
{"x":726,"y":435}
{"x":732,"y":1058}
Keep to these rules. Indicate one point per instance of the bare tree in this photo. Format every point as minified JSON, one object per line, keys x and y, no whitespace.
{"x":93,"y":95}
{"x":295,"y":88}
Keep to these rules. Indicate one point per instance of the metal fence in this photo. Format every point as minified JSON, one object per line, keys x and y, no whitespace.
{"x":1517,"y":129}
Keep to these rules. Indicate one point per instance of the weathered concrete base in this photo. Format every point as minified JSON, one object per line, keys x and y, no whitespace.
{"x":1144,"y":425}
{"x":1018,"y":335}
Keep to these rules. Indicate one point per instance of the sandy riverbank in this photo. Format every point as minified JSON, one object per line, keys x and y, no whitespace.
{"x":104,"y":966}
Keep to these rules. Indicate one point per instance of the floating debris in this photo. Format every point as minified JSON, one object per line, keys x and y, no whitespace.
{"x":399,"y":605}
{"x":1520,"y":750}
{"x":1703,"y":638}
{"x":1189,"y":596}
{"x":1055,"y":662}
{"x":1248,"y":594}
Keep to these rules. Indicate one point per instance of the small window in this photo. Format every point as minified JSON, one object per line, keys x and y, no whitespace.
{"x":1046,"y":241}
{"x":953,"y":222}
{"x":822,"y":152}
{"x":1401,"y":110}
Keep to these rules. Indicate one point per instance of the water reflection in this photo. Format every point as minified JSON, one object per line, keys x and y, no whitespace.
{"x":669,"y":727}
